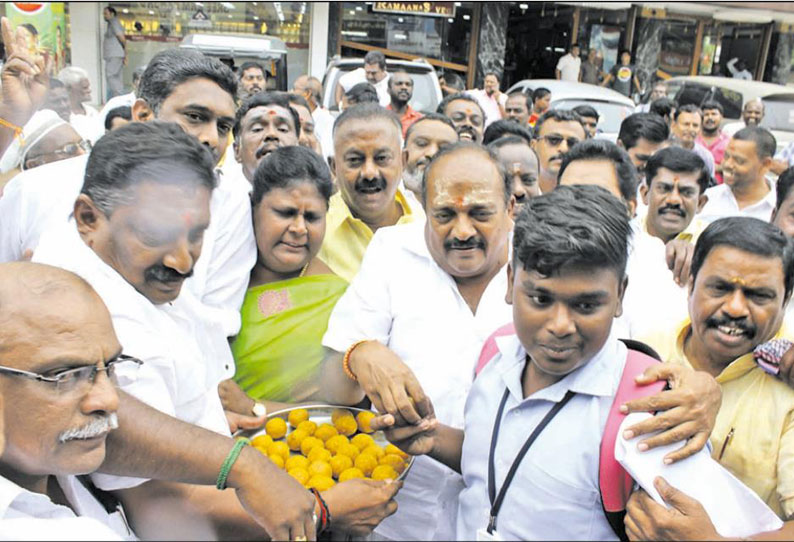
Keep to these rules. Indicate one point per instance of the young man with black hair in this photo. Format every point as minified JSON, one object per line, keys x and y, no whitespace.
{"x":687,"y":120}
{"x":589,"y":119}
{"x":401,"y":90}
{"x":712,"y":137}
{"x":541,"y":101}
{"x":253,"y":79}
{"x":623,"y":76}
{"x":745,"y":190}
{"x":556,"y":132}
{"x":556,"y":373}
{"x":520,"y":163}
{"x":641,"y":135}
{"x":466,"y":114}
{"x":503,"y":128}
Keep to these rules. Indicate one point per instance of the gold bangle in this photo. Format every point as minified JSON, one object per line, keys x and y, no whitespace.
{"x":17,"y":129}
{"x":346,"y":361}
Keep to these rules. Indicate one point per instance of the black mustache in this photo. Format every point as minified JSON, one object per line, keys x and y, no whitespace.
{"x":380,"y":183}
{"x":457,"y":244}
{"x":676,"y":208}
{"x":166,"y":274}
{"x":741,"y":323}
{"x":468,"y":129}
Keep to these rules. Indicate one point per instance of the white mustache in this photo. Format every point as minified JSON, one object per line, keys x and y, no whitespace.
{"x":99,"y":426}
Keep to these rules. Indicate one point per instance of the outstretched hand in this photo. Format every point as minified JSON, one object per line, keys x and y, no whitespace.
{"x":24,"y":76}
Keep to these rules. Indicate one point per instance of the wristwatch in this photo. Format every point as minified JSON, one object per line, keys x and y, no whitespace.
{"x":259,"y":409}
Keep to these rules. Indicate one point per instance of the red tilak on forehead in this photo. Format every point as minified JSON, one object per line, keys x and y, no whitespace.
{"x":738,"y":281}
{"x":271,"y":112}
{"x":188,"y":219}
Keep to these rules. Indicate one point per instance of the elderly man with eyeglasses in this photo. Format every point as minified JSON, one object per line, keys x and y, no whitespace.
{"x":58,"y":357}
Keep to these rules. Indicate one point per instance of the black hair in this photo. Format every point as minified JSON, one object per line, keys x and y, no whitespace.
{"x":558,"y":115}
{"x":601,"y":149}
{"x":395,"y":72}
{"x":642,"y":125}
{"x":367,"y":111}
{"x":442,"y":107}
{"x":527,"y":98}
{"x":428,"y":116}
{"x":688,"y":108}
{"x":251,"y":64}
{"x":265,"y":99}
{"x":509,"y":140}
{"x":784,"y":183}
{"x":580,"y":225}
{"x":362,"y":93}
{"x":765,"y":142}
{"x":498,"y":79}
{"x":585,"y":110}
{"x":288,"y":166}
{"x":750,"y":235}
{"x":137,"y":73}
{"x":112,"y":10}
{"x":153,"y":151}
{"x":170,"y":68}
{"x":297,"y":99}
{"x":540,"y":92}
{"x":122,"y":112}
{"x":622,"y":51}
{"x":454,"y":80}
{"x":375,"y":57}
{"x":503,"y":127}
{"x":662,"y":107}
{"x":470,"y":147}
{"x":678,"y":160}
{"x":713,"y":104}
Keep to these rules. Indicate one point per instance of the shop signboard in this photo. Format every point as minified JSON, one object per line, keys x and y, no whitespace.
{"x":45,"y":24}
{"x":200,"y":20}
{"x":429,"y":9}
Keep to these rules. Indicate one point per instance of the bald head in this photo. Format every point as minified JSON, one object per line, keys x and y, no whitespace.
{"x":310,"y":88}
{"x":39,"y":303}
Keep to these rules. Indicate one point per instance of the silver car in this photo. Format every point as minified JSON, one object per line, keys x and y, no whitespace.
{"x":612,"y":106}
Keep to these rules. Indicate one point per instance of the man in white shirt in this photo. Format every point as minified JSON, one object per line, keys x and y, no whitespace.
{"x":413,"y":321}
{"x":569,"y":66}
{"x":745,"y":190}
{"x":563,"y":351}
{"x":311,"y":89}
{"x":84,"y":118}
{"x":738,"y":69}
{"x":197,"y":93}
{"x":60,"y":353}
{"x":686,"y":129}
{"x":491,"y":99}
{"x":123,"y":99}
{"x":752,"y":114}
{"x":374,"y":72}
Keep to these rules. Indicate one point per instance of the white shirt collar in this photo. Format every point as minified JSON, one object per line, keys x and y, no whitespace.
{"x":593,"y":378}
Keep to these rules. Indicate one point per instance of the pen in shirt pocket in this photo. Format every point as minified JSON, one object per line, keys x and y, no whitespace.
{"x":728,"y":438}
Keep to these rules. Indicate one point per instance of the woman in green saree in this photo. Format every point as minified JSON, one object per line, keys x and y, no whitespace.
{"x":291,"y":293}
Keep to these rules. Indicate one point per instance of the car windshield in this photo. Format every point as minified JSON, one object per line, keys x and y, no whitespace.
{"x":779,"y":114}
{"x":424,"y":99}
{"x":610,"y":114}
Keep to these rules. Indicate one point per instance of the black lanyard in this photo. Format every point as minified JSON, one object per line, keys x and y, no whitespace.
{"x":496,"y":500}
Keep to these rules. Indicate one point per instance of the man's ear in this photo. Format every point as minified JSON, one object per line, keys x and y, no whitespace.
{"x":332,"y":164}
{"x":632,"y":207}
{"x":141,"y":112}
{"x":511,"y":208}
{"x":88,"y":217}
{"x":704,"y":199}
{"x":236,"y":149}
{"x":405,"y":159}
{"x":509,"y":294}
{"x":621,"y":292}
{"x":533,"y":144}
{"x":644,"y":193}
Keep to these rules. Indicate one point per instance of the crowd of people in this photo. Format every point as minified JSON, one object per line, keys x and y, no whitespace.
{"x":506,"y":289}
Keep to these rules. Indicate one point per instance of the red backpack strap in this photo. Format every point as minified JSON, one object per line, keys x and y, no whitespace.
{"x":490,"y":348}
{"x":614,"y":482}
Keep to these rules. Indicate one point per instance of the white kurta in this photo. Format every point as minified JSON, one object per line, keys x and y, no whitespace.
{"x":402,"y":298}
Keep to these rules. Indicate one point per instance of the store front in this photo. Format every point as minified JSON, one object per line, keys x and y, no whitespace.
{"x":151,"y":27}
{"x":440,"y":32}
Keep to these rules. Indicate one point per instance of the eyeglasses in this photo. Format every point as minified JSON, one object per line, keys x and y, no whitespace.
{"x":77,"y":378}
{"x":67,"y":151}
{"x":556,"y":141}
